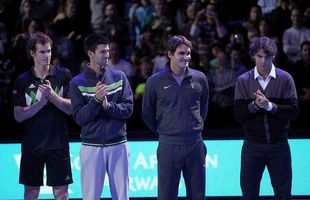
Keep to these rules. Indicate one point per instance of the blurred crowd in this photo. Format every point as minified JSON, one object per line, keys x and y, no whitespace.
{"x":138,"y":30}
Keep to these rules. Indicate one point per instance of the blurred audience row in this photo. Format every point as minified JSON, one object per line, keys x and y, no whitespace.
{"x":138,"y":30}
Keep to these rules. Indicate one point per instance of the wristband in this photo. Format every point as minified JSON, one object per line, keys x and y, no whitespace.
{"x":97,"y":100}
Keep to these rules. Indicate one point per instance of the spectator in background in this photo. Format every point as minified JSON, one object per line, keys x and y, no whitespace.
{"x":23,"y":17}
{"x":307,"y":17}
{"x":252,"y":24}
{"x":159,"y":20}
{"x":40,"y":99}
{"x":137,"y":15}
{"x":265,"y":102}
{"x":294,"y":36}
{"x":267,"y":6}
{"x":237,"y":38}
{"x":134,"y":59}
{"x":222,"y":81}
{"x":67,"y":9}
{"x":280,"y":18}
{"x":175,"y":105}
{"x":59,"y":61}
{"x":185,"y":27}
{"x":160,"y":59}
{"x":116,"y":61}
{"x":17,"y":53}
{"x":145,"y":70}
{"x":215,"y":48}
{"x":236,"y":62}
{"x":301,"y":72}
{"x":63,"y":47}
{"x":69,"y":23}
{"x":142,"y":72}
{"x":113,"y":26}
{"x":97,"y":15}
{"x":148,"y":46}
{"x":264,"y":30}
{"x":208,"y":28}
{"x":42,"y":9}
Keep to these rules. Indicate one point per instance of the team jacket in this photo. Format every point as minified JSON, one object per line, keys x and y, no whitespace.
{"x":263,"y":126}
{"x":176,"y":112}
{"x":100,"y":126}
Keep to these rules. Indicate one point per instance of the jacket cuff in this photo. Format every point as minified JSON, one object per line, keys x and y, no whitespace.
{"x":274,"y":109}
{"x":252,"y":107}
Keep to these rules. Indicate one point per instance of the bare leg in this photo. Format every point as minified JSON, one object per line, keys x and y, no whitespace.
{"x":61,"y":192}
{"x":31,"y":192}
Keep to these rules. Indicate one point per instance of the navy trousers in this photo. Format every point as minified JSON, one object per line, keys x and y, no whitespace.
{"x":188,"y":159}
{"x":277,"y":158}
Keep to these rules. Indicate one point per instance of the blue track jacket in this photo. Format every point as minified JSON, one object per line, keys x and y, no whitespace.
{"x":176,"y":112}
{"x":100,"y":126}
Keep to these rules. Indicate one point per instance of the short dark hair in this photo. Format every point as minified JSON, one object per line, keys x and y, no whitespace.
{"x":268,"y":45}
{"x":304,"y":43}
{"x":92,"y":41}
{"x":175,"y":41}
{"x":38,"y":38}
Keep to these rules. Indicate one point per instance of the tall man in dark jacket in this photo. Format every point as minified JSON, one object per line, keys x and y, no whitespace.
{"x":175,"y":105}
{"x":265,"y":102}
{"x":102,"y":100}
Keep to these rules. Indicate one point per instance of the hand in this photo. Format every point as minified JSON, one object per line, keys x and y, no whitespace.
{"x":105,"y":103}
{"x":135,"y":6}
{"x":201,"y":13}
{"x":261,"y":101}
{"x":43,"y":100}
{"x":157,"y":23}
{"x":101,"y":91}
{"x":46,"y":90}
{"x":212,"y":15}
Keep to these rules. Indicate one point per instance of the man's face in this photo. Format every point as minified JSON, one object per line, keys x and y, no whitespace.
{"x":110,"y":10}
{"x":296,"y":17}
{"x":262,"y":60}
{"x":305,"y":53}
{"x":114,"y":51}
{"x":101,"y":56}
{"x":181,"y":57}
{"x":235,"y":55}
{"x":42,"y":55}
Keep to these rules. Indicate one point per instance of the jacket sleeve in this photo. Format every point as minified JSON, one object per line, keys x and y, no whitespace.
{"x":288,"y":108}
{"x":244,"y":107}
{"x":149,"y":106}
{"x":124,"y":108}
{"x":83,"y":112}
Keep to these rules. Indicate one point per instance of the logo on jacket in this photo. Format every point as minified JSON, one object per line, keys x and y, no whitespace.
{"x":166,"y":87}
{"x":192,"y":83}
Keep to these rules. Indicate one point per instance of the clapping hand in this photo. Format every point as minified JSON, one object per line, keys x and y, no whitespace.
{"x":261,"y":101}
{"x":46,"y":91}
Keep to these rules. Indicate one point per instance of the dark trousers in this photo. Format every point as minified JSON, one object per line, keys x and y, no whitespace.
{"x":277,"y":158}
{"x":188,"y":159}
